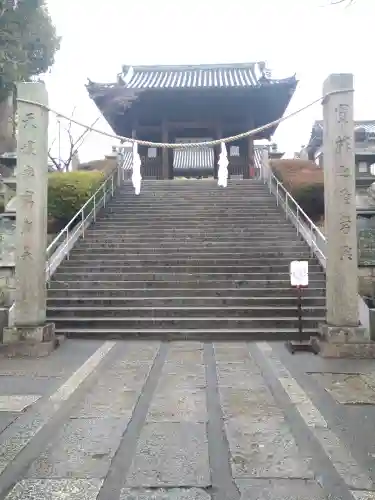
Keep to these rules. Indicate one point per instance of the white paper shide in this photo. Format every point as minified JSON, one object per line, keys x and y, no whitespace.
{"x":222,"y":174}
{"x":136,"y":170}
{"x":299,"y":273}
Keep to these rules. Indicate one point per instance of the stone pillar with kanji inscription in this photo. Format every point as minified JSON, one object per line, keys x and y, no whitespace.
{"x":31,"y":334}
{"x":342,"y":335}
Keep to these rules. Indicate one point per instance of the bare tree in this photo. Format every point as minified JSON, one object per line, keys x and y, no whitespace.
{"x":63,"y":164}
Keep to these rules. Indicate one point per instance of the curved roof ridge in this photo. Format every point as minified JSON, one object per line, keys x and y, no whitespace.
{"x":182,"y":67}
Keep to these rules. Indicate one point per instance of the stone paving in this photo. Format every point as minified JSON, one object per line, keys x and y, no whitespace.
{"x":186,"y":421}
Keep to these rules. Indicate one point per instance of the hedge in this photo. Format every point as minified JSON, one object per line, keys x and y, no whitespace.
{"x":304,"y":180}
{"x":68,"y":192}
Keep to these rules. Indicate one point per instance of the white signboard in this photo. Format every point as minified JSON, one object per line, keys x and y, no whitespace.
{"x":299,"y":273}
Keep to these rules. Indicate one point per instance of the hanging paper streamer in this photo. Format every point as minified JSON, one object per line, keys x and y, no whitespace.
{"x":223,"y":163}
{"x":136,"y":175}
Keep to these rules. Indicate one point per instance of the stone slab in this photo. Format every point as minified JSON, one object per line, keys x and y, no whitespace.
{"x":186,"y":346}
{"x":10,"y":449}
{"x":62,"y":362}
{"x":351,"y":350}
{"x":6,"y":419}
{"x":229,"y":352}
{"x":178,"y":406}
{"x":347,"y":388}
{"x":342,"y":459}
{"x":185,"y":357}
{"x":106,"y":402}
{"x":363,"y":495}
{"x":344,"y":335}
{"x":132,"y":376}
{"x":165,"y":494}
{"x":56,"y":489}
{"x":17,"y":403}
{"x":83,"y":448}
{"x":247,"y":403}
{"x":279,"y":489}
{"x":11,"y":385}
{"x":179,"y":378}
{"x":171,"y":454}
{"x":238,"y":375}
{"x":264,"y":448}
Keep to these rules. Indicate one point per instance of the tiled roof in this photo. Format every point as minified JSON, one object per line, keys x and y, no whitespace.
{"x":209,"y":76}
{"x":367,"y":125}
{"x":316,"y":136}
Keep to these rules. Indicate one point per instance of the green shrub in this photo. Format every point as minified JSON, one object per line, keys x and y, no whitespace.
{"x":68,"y":192}
{"x":311,"y":199}
{"x":304,"y":181}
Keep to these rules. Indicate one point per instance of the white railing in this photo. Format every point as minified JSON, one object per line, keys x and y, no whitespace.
{"x":293,"y":212}
{"x":61,"y":246}
{"x":305,"y":227}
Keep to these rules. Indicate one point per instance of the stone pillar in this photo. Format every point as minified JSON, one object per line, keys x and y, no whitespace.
{"x":165,"y":151}
{"x":341,"y":335}
{"x":30,"y":333}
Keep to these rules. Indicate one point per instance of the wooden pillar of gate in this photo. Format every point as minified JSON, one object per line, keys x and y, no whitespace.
{"x":249,"y":161}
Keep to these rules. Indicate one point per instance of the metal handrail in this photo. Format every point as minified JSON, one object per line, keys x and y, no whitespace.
{"x":306,"y":227}
{"x":293,"y":211}
{"x":60,"y":247}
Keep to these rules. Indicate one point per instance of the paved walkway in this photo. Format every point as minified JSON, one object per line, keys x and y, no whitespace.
{"x":186,"y":421}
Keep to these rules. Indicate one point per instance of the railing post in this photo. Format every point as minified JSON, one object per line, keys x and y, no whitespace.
{"x":112,"y":186}
{"x":277,"y":194}
{"x":104,"y":193}
{"x":286,"y":204}
{"x":94,"y":216}
{"x":297,"y":219}
{"x":83,"y":222}
{"x":67,"y":244}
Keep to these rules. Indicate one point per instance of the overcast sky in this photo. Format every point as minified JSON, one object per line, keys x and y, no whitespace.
{"x":294,"y":36}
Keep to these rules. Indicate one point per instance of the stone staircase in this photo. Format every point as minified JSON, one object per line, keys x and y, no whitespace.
{"x":186,"y":260}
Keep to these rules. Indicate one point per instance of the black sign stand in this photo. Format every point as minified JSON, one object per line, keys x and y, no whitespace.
{"x":301,"y":345}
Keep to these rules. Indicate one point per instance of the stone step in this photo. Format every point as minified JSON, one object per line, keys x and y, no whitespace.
{"x":199,"y":335}
{"x":198,"y":254}
{"x":230,"y":312}
{"x":191,"y":204}
{"x":184,"y":322}
{"x":191,"y":246}
{"x":156,"y":226}
{"x":172,"y":262}
{"x":161,"y":293}
{"x":169,"y":301}
{"x":165,"y":276}
{"x":185,"y":238}
{"x":68,"y":267}
{"x":208,"y":230}
{"x":193,"y":284}
{"x":191,"y":211}
{"x":233,"y":216}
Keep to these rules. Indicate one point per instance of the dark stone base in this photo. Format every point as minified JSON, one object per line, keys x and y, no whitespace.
{"x":33,"y":341}
{"x":344,"y":342}
{"x":306,"y":346}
